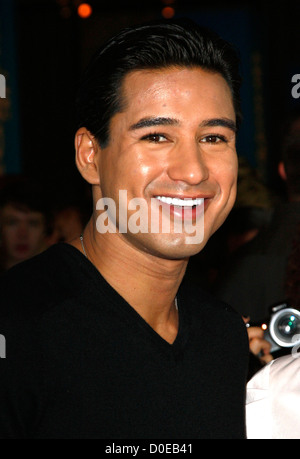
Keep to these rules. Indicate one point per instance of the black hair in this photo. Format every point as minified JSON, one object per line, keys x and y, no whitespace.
{"x":27,"y":196}
{"x":154,"y":45}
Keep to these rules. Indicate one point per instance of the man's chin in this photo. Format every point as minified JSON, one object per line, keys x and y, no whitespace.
{"x":170,"y":246}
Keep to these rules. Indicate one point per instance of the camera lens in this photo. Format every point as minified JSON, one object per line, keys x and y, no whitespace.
{"x":287,"y":326}
{"x":284,"y":327}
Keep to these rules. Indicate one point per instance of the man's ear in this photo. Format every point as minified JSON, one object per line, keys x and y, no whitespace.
{"x":87,"y":151}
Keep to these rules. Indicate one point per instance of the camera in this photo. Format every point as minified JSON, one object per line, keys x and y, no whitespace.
{"x":283,"y":330}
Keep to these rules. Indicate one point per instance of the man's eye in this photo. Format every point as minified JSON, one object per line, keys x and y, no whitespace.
{"x":213,"y":139}
{"x":155,"y":138}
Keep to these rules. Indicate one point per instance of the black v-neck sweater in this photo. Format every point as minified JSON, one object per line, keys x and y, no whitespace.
{"x":82,"y":364}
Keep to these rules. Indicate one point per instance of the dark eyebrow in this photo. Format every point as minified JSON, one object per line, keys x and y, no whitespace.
{"x":162,"y":121}
{"x":152,"y":121}
{"x":224,"y":122}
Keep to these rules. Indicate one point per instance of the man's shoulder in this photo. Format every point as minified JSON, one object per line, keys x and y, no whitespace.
{"x":37,"y":282}
{"x":36,"y":267}
{"x":217,"y":314}
{"x":200,"y":299}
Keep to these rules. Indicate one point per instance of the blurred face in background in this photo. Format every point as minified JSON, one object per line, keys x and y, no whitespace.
{"x":23,"y":234}
{"x":67,"y":225}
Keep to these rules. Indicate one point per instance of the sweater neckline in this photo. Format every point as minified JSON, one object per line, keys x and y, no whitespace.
{"x":129,"y":313}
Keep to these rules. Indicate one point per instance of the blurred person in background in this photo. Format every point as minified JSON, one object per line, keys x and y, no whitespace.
{"x":24,"y":223}
{"x":273,"y":401}
{"x":69,"y":220}
{"x":292,"y":284}
{"x":273,"y":394}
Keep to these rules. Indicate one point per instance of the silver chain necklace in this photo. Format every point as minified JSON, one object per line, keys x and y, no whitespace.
{"x":82,"y":245}
{"x":83,"y":249}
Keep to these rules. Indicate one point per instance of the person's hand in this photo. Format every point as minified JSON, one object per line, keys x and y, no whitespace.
{"x":259,"y":346}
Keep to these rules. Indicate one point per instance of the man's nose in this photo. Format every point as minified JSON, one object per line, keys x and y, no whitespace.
{"x":188,"y":164}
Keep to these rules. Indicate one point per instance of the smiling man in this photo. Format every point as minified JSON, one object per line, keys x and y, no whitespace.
{"x":113,"y":344}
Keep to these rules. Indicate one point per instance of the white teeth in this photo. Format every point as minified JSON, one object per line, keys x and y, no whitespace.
{"x":180,"y":202}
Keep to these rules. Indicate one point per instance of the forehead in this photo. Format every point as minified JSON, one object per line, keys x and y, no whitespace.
{"x":143,"y":89}
{"x":20,"y":210}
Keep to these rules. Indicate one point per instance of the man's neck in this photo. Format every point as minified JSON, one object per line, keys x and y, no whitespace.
{"x":148,"y":283}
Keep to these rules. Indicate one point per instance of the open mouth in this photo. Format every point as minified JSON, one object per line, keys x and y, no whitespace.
{"x":22,"y":248}
{"x":178,"y":202}
{"x":183,"y":208}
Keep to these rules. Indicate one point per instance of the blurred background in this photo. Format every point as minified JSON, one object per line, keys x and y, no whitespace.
{"x":44,"y":48}
{"x":45,"y":45}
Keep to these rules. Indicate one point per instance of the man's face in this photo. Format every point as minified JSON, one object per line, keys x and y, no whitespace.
{"x":174,"y":139}
{"x":22,"y":233}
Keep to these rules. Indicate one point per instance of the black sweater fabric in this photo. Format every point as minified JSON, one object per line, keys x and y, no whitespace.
{"x":81,"y":363}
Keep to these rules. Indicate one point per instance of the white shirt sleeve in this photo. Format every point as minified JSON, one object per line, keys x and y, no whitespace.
{"x":258,"y":410}
{"x":273,"y":400}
